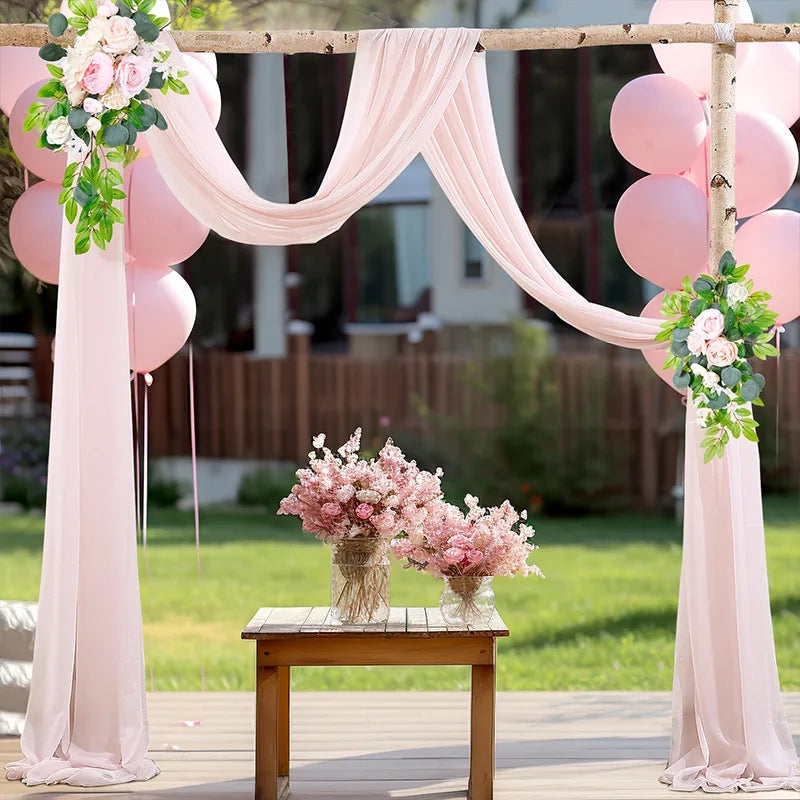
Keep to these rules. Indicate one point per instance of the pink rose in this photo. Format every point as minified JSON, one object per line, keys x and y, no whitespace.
{"x":696,"y":343}
{"x":331,"y":510}
{"x":133,"y":75}
{"x":99,"y":74}
{"x":474,"y":556}
{"x":92,"y":106}
{"x":453,"y":556}
{"x":119,"y":36}
{"x":709,"y":323}
{"x":364,"y":510}
{"x":721,"y":353}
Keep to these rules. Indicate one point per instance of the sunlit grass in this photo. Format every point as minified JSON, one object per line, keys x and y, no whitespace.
{"x":603,"y":619}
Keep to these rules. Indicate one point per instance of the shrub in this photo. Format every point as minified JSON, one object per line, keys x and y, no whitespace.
{"x":24,"y":448}
{"x":265,"y":488}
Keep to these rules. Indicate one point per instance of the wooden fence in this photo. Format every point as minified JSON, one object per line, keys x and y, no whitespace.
{"x":269,"y":409}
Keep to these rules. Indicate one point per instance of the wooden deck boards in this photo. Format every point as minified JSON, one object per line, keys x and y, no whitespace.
{"x":376,"y":746}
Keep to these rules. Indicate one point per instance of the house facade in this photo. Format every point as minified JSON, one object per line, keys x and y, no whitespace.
{"x":405,"y":265}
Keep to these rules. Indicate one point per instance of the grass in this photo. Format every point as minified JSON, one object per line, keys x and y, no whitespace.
{"x":603,"y":619}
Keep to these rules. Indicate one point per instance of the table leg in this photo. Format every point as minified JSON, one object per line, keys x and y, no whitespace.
{"x":284,"y":691}
{"x":267,"y":705}
{"x":482,"y":733}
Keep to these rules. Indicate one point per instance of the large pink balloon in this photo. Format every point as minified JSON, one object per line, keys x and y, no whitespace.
{"x":770,"y":243}
{"x":208,"y":60}
{"x":770,"y":81}
{"x":661,"y":225}
{"x":655,"y":358}
{"x":19,"y":68}
{"x":159,"y":229}
{"x":658,"y":124}
{"x":766,"y":162}
{"x":35,"y":230}
{"x":691,"y":63}
{"x":161,"y":314}
{"x":39,"y":160}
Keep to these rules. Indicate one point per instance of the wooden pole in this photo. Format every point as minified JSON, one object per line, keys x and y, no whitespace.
{"x":329,"y":42}
{"x":722,"y":200}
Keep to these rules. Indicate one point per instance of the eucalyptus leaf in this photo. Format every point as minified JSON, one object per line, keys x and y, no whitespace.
{"x":759,"y":379}
{"x":681,"y":379}
{"x":681,"y":334}
{"x":679,"y":349}
{"x":115,"y":135}
{"x":147,"y":31}
{"x":78,"y":118}
{"x":124,"y":8}
{"x":731,"y":376}
{"x":697,"y":306}
{"x":718,"y":401}
{"x":702,"y":285}
{"x":58,"y":24}
{"x":727,"y":263}
{"x":750,"y":390}
{"x":52,"y":52}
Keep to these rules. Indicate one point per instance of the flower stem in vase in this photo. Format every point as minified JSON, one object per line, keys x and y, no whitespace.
{"x":360,"y":581}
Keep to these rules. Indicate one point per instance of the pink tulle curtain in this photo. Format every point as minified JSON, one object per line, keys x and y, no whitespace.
{"x":412,"y":91}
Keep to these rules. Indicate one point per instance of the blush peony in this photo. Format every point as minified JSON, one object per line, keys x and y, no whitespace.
{"x":721,"y":353}
{"x":99,"y":74}
{"x":133,"y":75}
{"x":709,"y":324}
{"x":696,"y":343}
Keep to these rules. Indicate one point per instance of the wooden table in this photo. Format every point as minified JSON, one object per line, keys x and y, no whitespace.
{"x":300,"y":637}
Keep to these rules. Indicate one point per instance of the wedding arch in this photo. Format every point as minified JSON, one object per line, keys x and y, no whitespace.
{"x":412,"y":91}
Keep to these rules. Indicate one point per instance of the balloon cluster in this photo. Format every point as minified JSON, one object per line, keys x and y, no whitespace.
{"x":159,"y":232}
{"x":660,"y":124}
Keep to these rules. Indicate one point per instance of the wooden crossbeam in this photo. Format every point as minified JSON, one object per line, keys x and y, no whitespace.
{"x":331,"y":42}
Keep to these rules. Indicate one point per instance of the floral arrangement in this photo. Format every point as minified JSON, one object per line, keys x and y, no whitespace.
{"x":100,"y":89}
{"x":342,"y":497}
{"x":715,"y":324}
{"x":480,"y":542}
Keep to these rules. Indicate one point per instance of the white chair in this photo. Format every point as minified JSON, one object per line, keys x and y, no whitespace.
{"x":17,"y":631}
{"x":17,"y":378}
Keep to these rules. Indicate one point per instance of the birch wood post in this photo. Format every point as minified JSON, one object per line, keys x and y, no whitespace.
{"x":333,"y":42}
{"x":722,"y":199}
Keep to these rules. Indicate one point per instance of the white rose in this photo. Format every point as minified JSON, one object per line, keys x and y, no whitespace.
{"x":710,"y":380}
{"x":368,"y":496}
{"x":92,"y":106}
{"x":119,"y":36}
{"x":94,"y":34}
{"x":59,"y":132}
{"x":75,"y":93}
{"x":704,"y":416}
{"x":737,"y":293}
{"x":115,"y":100}
{"x":93,"y":125}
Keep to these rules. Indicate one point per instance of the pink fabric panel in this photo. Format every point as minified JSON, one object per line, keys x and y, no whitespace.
{"x":465,"y":159}
{"x":729,"y":729}
{"x":88,"y":649}
{"x":402,"y":82}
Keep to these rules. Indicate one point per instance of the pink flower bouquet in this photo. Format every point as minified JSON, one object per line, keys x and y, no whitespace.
{"x":467,"y":550}
{"x":358,"y":506}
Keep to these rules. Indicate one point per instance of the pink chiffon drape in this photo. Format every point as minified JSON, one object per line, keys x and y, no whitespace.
{"x":412,"y":91}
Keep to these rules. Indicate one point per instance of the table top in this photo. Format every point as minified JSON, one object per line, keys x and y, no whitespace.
{"x":421,"y":623}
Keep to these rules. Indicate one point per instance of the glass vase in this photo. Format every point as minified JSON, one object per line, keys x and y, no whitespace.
{"x":360,"y":581}
{"x":467,"y":600}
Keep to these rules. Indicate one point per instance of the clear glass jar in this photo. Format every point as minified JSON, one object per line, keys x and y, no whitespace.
{"x":360,"y":581}
{"x":467,"y":599}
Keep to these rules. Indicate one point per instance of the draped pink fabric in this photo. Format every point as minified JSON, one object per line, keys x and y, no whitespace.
{"x":413,"y":90}
{"x":86,"y":722}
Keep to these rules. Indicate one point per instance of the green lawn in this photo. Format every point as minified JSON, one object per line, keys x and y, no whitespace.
{"x":603,"y":619}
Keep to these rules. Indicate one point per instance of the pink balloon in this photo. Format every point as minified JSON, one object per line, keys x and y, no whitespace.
{"x":655,"y":358}
{"x":766,"y":162}
{"x":661,"y":225}
{"x":691,"y":63}
{"x":161,"y":314}
{"x":35,"y":230}
{"x":770,"y":243}
{"x":770,"y":81}
{"x":39,"y":160}
{"x":208,"y":60}
{"x":159,"y":229}
{"x":19,"y":68}
{"x":658,"y":124}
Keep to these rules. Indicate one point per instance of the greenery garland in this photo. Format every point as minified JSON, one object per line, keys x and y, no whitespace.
{"x":715,"y":324}
{"x":100,"y":89}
